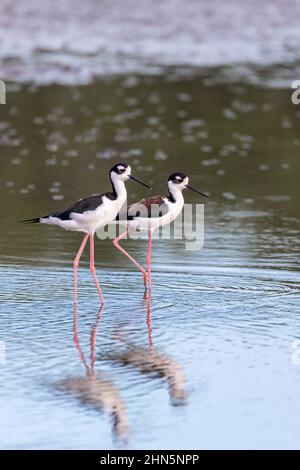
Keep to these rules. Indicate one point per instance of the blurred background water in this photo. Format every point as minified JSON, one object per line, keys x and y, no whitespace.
{"x":73,"y":42}
{"x":211,"y":360}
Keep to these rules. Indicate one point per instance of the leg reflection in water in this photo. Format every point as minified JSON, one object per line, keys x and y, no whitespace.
{"x":91,"y":389}
{"x":151,"y":361}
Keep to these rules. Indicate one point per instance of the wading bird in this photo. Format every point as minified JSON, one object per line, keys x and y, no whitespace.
{"x":89,"y":214}
{"x":152,"y":213}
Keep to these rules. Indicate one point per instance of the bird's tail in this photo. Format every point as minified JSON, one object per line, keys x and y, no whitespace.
{"x":36,"y":220}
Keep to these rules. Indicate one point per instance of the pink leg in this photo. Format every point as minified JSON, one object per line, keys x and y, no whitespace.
{"x":149,"y":259}
{"x":76,"y":263}
{"x":92,"y":268}
{"x":115,"y":242}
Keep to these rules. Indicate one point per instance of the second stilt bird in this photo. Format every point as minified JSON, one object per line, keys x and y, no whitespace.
{"x":152,"y":213}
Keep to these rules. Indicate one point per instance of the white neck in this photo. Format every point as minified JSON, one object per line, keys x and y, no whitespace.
{"x":118,"y":186}
{"x":176,"y":193}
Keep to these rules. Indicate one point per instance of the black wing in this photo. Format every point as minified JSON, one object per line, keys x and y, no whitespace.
{"x":87,"y":204}
{"x":83,"y":205}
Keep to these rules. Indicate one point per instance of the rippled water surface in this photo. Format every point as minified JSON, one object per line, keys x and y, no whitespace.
{"x":211,"y":360}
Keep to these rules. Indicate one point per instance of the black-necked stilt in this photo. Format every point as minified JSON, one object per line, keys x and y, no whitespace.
{"x":89,"y":214}
{"x":152,"y":213}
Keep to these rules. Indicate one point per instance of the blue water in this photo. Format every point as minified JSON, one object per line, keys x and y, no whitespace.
{"x":213,"y":359}
{"x":229,"y":329}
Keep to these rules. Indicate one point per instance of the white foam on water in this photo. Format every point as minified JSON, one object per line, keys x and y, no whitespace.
{"x":72,"y":41}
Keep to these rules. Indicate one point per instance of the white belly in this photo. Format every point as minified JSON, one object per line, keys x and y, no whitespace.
{"x":153,"y":223}
{"x":89,"y":221}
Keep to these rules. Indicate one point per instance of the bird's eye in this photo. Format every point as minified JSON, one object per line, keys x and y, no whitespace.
{"x":121,"y":169}
{"x":178,"y":179}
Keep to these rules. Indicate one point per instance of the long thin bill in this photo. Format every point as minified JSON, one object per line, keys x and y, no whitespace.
{"x":195,"y":190}
{"x":139,"y":181}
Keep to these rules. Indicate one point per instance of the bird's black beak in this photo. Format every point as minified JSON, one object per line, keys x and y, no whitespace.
{"x":139,"y":181}
{"x":195,"y":190}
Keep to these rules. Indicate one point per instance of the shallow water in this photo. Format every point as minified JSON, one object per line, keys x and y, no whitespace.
{"x":211,"y":360}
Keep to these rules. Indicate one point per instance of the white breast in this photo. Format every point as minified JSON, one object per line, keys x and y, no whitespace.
{"x":90,"y":221}
{"x":153,"y":223}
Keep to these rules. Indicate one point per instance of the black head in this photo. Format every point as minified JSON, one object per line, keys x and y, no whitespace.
{"x":180,"y":181}
{"x":177,"y":178}
{"x":122,"y":172}
{"x":119,"y":169}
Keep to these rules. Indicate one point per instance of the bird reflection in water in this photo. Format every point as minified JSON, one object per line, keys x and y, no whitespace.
{"x":92,"y":390}
{"x":151,"y":361}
